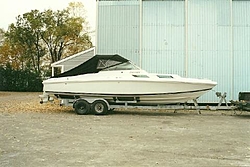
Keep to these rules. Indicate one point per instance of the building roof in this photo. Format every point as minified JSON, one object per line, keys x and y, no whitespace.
{"x":71,"y":58}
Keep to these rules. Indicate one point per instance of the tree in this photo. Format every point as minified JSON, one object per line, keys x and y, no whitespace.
{"x":77,"y":10}
{"x":25,"y":34}
{"x":11,"y":55}
{"x":68,"y":31}
{"x":63,"y":34}
{"x":1,"y":36}
{"x":40,"y":38}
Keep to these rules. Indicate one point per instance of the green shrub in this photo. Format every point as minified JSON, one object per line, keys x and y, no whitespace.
{"x":19,"y":80}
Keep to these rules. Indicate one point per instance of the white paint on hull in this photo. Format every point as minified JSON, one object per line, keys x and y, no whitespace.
{"x":150,"y":89}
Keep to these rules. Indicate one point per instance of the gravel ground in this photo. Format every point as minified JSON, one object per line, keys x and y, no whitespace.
{"x":32,"y":134}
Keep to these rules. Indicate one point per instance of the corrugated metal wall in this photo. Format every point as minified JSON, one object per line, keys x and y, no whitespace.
{"x":118,"y":28}
{"x":241,"y":46}
{"x":193,"y":38}
{"x":163,"y":39}
{"x":209,"y":43}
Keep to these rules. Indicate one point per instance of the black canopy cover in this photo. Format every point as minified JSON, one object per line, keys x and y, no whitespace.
{"x":94,"y":65}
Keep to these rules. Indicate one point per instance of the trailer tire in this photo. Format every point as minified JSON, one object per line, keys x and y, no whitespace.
{"x":82,"y":107}
{"x":99,"y":107}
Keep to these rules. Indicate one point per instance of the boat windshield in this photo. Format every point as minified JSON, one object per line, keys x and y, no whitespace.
{"x":124,"y":66}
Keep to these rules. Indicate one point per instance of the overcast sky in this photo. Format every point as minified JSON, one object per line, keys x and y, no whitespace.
{"x":10,"y":9}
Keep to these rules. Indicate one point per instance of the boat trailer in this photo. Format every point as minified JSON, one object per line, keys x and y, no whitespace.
{"x":100,"y":106}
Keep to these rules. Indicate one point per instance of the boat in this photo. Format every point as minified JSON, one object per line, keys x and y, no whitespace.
{"x":117,"y":79}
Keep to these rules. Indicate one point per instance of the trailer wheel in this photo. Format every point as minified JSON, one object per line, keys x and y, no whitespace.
{"x":82,"y":107}
{"x":99,"y":107}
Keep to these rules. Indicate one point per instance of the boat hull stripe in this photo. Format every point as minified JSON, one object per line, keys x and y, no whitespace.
{"x":115,"y":95}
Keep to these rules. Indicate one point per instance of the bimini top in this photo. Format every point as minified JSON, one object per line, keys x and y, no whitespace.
{"x":94,"y":65}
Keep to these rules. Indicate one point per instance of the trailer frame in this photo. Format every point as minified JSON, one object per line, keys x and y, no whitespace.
{"x":100,"y":106}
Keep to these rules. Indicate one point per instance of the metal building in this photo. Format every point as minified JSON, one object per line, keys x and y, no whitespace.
{"x":192,"y":38}
{"x":73,"y":61}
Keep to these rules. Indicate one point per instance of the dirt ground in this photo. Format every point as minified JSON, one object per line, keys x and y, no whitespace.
{"x":32,"y":134}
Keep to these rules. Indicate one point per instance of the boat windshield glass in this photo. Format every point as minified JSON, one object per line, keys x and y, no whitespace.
{"x":123,"y":66}
{"x":103,"y":64}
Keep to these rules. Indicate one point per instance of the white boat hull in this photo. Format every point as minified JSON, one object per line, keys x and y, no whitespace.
{"x":144,"y":90}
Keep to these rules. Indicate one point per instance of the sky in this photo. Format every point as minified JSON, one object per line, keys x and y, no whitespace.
{"x":10,"y":9}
